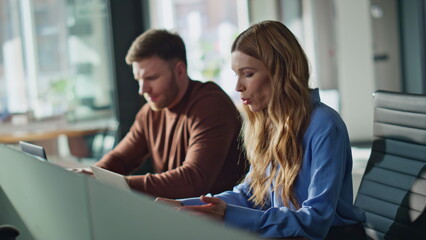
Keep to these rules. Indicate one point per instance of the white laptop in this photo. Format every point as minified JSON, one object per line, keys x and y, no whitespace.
{"x":112,"y":178}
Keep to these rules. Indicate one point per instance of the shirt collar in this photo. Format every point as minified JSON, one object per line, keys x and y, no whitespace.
{"x":315,"y":97}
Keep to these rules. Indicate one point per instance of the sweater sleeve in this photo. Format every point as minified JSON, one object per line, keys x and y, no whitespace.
{"x":314,"y":217}
{"x":132,"y":150}
{"x":213,"y":127}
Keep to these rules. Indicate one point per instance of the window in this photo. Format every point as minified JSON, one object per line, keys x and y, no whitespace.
{"x":208,"y":28}
{"x":55,"y":58}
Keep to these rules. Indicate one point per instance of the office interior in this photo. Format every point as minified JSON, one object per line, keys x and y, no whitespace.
{"x":64,"y":83}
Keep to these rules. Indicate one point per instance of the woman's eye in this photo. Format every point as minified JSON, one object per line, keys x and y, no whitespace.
{"x":247,"y":75}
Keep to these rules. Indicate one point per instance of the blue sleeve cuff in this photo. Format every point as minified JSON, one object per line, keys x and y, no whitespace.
{"x":191,"y":201}
{"x":242,"y":217}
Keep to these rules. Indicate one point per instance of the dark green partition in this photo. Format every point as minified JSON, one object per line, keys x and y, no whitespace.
{"x":42,"y":200}
{"x":9,"y":215}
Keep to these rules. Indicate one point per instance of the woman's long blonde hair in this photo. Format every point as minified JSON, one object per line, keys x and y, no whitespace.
{"x":273,"y":137}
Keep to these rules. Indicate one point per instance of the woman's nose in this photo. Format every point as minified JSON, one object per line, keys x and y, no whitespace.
{"x":240,"y":87}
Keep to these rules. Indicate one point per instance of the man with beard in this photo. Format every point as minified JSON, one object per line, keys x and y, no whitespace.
{"x":190,"y":129}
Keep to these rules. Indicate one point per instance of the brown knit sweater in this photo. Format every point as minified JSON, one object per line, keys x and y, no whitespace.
{"x":193,"y":146}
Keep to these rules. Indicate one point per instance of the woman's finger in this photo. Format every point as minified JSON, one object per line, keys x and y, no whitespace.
{"x":212,"y":200}
{"x":201,"y":208}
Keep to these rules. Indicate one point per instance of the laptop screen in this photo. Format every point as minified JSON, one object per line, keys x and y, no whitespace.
{"x":33,"y":149}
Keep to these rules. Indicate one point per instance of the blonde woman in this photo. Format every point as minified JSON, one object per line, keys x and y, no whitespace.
{"x":299,"y":183}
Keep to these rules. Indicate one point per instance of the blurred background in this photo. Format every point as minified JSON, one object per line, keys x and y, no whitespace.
{"x":64,"y":82}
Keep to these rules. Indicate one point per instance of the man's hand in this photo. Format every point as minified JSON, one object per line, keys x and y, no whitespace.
{"x":86,"y":171}
{"x":214,"y":208}
{"x":168,"y":201}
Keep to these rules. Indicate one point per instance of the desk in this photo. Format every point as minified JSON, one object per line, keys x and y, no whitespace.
{"x":60,"y":138}
{"x":52,"y":129}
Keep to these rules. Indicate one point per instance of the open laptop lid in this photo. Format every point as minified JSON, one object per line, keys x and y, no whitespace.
{"x":39,"y":152}
{"x":112,"y":178}
{"x":33,"y":149}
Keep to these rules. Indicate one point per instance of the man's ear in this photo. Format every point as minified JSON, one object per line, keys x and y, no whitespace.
{"x":180,"y":69}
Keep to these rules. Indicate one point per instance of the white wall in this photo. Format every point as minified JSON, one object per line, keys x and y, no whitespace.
{"x":343,"y":54}
{"x":355,"y":67}
{"x":263,"y":10}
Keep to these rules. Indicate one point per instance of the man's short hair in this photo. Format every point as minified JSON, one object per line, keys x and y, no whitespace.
{"x":155,"y":42}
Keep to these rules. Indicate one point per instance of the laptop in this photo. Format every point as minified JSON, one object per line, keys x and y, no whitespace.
{"x":104,"y":175}
{"x":39,"y":153}
{"x":112,"y":178}
{"x":34,"y":150}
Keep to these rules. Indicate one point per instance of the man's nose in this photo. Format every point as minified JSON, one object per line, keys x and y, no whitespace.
{"x":143,"y":88}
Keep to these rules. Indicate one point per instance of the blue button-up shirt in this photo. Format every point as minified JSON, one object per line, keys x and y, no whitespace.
{"x":323,"y":187}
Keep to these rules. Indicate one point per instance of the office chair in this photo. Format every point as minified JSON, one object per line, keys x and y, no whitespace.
{"x":104,"y":142}
{"x":393,"y":188}
{"x":8,"y":232}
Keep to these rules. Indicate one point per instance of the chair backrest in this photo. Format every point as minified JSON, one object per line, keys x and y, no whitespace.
{"x":393,"y":188}
{"x":103,"y":142}
{"x":8,"y":232}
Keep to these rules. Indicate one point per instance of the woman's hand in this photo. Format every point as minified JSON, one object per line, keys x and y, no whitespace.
{"x":214,"y":208}
{"x":168,"y":201}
